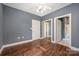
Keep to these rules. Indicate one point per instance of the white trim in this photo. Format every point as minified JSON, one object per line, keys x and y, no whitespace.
{"x":74,"y":48}
{"x":51,"y":27}
{"x":27,"y":41}
{"x":71,"y":47}
{"x":46,"y":20}
{"x":33,"y":11}
{"x":43,"y":25}
{"x":17,"y":43}
{"x":52,"y":30}
{"x":12,"y":44}
{"x":55,"y":18}
{"x":53,"y":41}
{"x":59,"y":43}
{"x":43,"y":37}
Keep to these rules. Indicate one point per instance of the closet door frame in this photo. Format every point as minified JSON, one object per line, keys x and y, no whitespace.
{"x":55,"y":19}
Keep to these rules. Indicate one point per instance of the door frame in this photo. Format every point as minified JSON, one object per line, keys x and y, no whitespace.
{"x":56,"y":18}
{"x":51,"y":27}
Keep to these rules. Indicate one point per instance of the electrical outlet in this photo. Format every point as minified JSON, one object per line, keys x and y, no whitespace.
{"x":18,"y":37}
{"x":22,"y":37}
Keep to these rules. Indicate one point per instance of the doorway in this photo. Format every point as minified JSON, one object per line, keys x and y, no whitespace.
{"x":46,"y":28}
{"x":62,"y":30}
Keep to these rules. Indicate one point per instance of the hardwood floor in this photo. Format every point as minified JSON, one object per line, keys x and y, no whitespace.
{"x":41,"y":47}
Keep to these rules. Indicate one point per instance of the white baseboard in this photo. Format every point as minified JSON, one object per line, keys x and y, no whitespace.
{"x":13,"y":44}
{"x":58,"y":43}
{"x":71,"y":47}
{"x":53,"y":41}
{"x":27,"y":41}
{"x":17,"y":43}
{"x":75,"y":49}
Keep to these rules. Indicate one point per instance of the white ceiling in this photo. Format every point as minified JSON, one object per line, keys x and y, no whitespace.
{"x":31,"y":7}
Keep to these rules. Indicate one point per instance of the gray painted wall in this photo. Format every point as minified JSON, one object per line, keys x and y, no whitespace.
{"x":1,"y":27}
{"x":74,"y":10}
{"x":17,"y":23}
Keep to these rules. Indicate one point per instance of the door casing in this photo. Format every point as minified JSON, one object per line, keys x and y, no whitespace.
{"x":55,"y":19}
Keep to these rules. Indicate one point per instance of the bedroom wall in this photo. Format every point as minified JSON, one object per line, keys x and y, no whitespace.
{"x":17,"y":23}
{"x":1,"y":27}
{"x":74,"y":10}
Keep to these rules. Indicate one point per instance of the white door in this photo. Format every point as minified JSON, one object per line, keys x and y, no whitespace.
{"x":35,"y":29}
{"x":58,"y":30}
